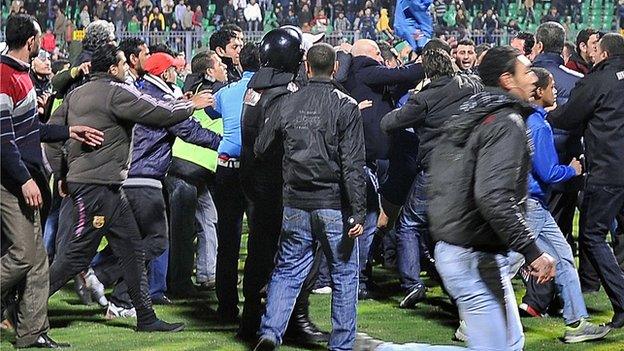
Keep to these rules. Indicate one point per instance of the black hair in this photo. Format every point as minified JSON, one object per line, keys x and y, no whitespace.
{"x":583,"y":37}
{"x":221,"y":38}
{"x":613,"y":44}
{"x":58,"y":65}
{"x":250,"y":57}
{"x":570,"y":45}
{"x":161,"y":48}
{"x":543,"y":77}
{"x":232,"y":27}
{"x":481,"y":48}
{"x":321,"y":59}
{"x":437,"y":63}
{"x":202,"y":61}
{"x":19,"y":29}
{"x":130,"y":46}
{"x":552,"y":36}
{"x":497,"y":61}
{"x":466,"y":42}
{"x":104,"y":57}
{"x":529,"y":41}
{"x":436,"y":43}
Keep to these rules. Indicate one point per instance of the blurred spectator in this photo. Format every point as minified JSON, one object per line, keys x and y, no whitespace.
{"x":529,"y":11}
{"x":240,"y":18}
{"x":156,"y":20}
{"x":253,"y":16}
{"x":440,"y":10}
{"x":85,"y":18}
{"x":552,"y":16}
{"x":367,"y":26}
{"x":320,"y":22}
{"x":146,"y":4}
{"x":134,"y":26}
{"x":383,"y":25}
{"x":512,"y":27}
{"x":179,"y":13}
{"x":305,"y":16}
{"x":481,"y":50}
{"x":187,"y":21}
{"x":60,"y":25}
{"x":198,"y":17}
{"x":292,"y":18}
{"x":341,"y":24}
{"x":490,"y":25}
{"x":229,"y":12}
{"x":167,"y":11}
{"x":465,"y":58}
{"x":461,"y":22}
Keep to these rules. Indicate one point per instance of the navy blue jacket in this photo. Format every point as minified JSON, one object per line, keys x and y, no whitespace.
{"x":545,"y":169}
{"x":151,"y":147}
{"x":567,"y":143}
{"x":371,"y":80}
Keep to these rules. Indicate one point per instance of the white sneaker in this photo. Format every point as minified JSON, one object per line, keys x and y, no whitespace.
{"x":324,"y":290}
{"x":460,"y":333}
{"x":95,"y":287}
{"x":119,"y":312}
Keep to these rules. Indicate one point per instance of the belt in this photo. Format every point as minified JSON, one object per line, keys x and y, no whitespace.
{"x":228,"y":162}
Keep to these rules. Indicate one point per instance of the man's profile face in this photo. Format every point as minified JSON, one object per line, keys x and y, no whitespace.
{"x":592,"y":47}
{"x":42,"y":65}
{"x":466,"y":57}
{"x":524,"y":78}
{"x":518,"y":44}
{"x":232,"y":50}
{"x":121,"y":68}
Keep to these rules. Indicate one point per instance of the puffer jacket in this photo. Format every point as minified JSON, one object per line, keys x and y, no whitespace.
{"x":427,"y":110}
{"x":321,"y":133}
{"x":151,"y":146}
{"x":478,"y":177}
{"x":112,"y":106}
{"x":596,"y":105}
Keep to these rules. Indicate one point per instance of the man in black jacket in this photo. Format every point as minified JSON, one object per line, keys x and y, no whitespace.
{"x":320,"y":129}
{"x":596,"y":106}
{"x":425,"y":112}
{"x":477,"y":188}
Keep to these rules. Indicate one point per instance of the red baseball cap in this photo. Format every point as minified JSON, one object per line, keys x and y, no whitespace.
{"x":159,"y":62}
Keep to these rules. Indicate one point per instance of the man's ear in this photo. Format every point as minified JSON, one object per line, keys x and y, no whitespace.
{"x":336,"y":67}
{"x":220,"y":51}
{"x":583,"y":47}
{"x":307,"y":68}
{"x":506,"y":81}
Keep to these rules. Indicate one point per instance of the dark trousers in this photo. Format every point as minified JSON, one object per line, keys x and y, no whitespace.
{"x":601,"y":205}
{"x":24,"y":267}
{"x":148,"y":208}
{"x":104,"y":210}
{"x":231,"y":205}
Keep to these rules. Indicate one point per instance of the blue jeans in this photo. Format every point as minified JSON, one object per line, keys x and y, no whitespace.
{"x":364,"y":245}
{"x":293,"y":263}
{"x":157,"y":275}
{"x":479,"y":282}
{"x":206,"y":225}
{"x":550,"y":239}
{"x":412,"y":225}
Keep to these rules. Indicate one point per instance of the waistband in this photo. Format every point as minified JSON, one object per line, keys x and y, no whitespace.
{"x":139,"y":182}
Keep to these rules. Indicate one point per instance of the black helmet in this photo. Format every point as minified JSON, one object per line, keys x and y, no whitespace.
{"x":281,"y":49}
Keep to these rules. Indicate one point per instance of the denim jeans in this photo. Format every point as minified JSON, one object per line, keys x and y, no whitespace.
{"x":300,"y":229}
{"x":550,"y":239}
{"x":479,"y":282}
{"x":51,"y":227}
{"x":601,"y":205}
{"x":364,"y":246}
{"x":411,"y":227}
{"x":206,"y":225}
{"x":157,"y":275}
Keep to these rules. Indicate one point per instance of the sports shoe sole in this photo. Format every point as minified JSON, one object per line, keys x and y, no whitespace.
{"x":583,"y":338}
{"x":412,"y":299}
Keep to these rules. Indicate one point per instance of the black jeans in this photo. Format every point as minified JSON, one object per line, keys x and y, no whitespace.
{"x":104,"y":210}
{"x":231,"y":205}
{"x":601,"y":205}
{"x":148,"y":207}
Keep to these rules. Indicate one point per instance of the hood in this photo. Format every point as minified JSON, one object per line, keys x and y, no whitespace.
{"x":477,"y":108}
{"x":268,"y":77}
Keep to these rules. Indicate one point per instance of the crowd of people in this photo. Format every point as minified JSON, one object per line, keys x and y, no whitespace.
{"x":469,"y":160}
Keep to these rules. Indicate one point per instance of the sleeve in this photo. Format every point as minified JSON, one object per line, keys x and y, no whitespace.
{"x":344,"y":63}
{"x":545,"y":160}
{"x":352,"y":160}
{"x":62,"y":81}
{"x":497,"y":169}
{"x":271,"y":130}
{"x":381,"y":75}
{"x":54,"y":151}
{"x":129,"y":104}
{"x":11,"y":158}
{"x":574,"y":114}
{"x":50,"y":133}
{"x":192,"y":132}
{"x":412,"y":114}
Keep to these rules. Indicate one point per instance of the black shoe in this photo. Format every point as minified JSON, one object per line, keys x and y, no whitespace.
{"x":418,"y":294}
{"x":301,"y":330}
{"x":265,"y":345}
{"x":617,"y":321}
{"x":248,"y":338}
{"x":162,"y":300}
{"x":160,"y":326}
{"x":45,"y":342}
{"x":364,"y":294}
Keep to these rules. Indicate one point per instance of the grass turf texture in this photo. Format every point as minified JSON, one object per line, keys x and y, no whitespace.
{"x":433,"y":321}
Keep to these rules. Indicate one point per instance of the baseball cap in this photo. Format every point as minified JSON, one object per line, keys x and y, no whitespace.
{"x":159,"y":62}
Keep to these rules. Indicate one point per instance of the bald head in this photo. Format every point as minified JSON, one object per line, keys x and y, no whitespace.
{"x":368,"y":48}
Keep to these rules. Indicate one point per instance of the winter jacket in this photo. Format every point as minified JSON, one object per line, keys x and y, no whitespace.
{"x":113,"y":107}
{"x":320,"y":130}
{"x":261,"y":177}
{"x":427,"y":110}
{"x":568,"y":144}
{"x":478,"y":177}
{"x":596,"y":106}
{"x":370,"y":80}
{"x":578,"y":64}
{"x":151,"y":146}
{"x":253,"y":12}
{"x":546,"y":169}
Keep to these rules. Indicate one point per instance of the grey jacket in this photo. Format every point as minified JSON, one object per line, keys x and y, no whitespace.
{"x":113,"y":107}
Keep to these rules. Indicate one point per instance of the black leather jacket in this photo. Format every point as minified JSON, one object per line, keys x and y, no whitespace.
{"x":478,"y":177}
{"x":321,"y":133}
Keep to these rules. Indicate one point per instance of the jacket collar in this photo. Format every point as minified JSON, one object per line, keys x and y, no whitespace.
{"x":540,"y":111}
{"x":364,"y":61}
{"x":616,"y":61}
{"x":549,"y":57}
{"x":159,"y":83}
{"x":14,"y":63}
